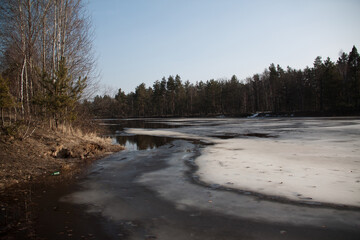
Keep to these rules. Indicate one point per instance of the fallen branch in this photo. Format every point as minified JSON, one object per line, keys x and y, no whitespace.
{"x":26,"y":135}
{"x":29,"y":134}
{"x":27,"y":129}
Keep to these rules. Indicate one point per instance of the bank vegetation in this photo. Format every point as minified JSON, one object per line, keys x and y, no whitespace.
{"x":47,"y":67}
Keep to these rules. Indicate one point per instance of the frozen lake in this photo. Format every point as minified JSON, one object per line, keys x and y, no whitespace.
{"x":304,"y":160}
{"x":226,"y":178}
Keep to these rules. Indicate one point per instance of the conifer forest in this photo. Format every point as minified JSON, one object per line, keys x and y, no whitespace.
{"x":325,"y":88}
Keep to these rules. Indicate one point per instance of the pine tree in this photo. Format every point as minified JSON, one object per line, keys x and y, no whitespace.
{"x":140,"y":99}
{"x":121,"y":99}
{"x":354,"y":78}
{"x":170,"y":86}
{"x":61,"y":94}
{"x":332,"y":87}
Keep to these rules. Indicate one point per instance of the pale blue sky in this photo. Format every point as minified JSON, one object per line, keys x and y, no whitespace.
{"x":143,"y":40}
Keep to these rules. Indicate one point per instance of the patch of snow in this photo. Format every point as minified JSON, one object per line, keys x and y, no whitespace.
{"x":172,"y":184}
{"x":325,"y":171}
{"x":312,"y":159}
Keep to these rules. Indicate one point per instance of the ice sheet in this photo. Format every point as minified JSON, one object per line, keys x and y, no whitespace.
{"x":303,"y":159}
{"x":322,"y":172}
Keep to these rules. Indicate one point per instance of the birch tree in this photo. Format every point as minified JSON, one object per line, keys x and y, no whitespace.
{"x":35,"y":36}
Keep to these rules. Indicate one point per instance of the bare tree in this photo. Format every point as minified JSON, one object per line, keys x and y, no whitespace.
{"x":35,"y":35}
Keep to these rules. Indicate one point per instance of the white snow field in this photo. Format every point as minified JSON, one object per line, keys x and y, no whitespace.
{"x":300,"y":159}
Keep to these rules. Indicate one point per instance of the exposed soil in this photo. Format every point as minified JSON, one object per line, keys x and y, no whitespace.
{"x":30,"y":163}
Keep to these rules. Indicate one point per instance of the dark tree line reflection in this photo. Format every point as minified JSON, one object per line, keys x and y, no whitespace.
{"x":115,"y":125}
{"x":143,"y":142}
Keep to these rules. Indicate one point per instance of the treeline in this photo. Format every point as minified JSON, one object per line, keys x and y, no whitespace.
{"x":46,"y":59}
{"x":326,"y":87}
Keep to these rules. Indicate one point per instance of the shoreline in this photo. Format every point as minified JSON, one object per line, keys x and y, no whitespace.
{"x":30,"y":166}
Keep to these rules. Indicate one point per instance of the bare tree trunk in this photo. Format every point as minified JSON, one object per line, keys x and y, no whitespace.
{"x":22,"y":32}
{"x":2,"y":117}
{"x":64,"y":29}
{"x":45,"y":13}
{"x":28,"y":79}
{"x":15,"y":111}
{"x":22,"y":86}
{"x":31,"y":80}
{"x":27,"y":90}
{"x":58,"y":36}
{"x":10,"y":118}
{"x":43,"y":45}
{"x":54,"y":41}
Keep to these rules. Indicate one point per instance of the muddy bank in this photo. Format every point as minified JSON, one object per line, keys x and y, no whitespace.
{"x":31,"y":164}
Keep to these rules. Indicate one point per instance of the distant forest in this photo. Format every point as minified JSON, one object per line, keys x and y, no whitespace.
{"x":325,"y":88}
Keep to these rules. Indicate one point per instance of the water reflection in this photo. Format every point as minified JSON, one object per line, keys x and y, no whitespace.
{"x":142,"y":142}
{"x":116,"y":125}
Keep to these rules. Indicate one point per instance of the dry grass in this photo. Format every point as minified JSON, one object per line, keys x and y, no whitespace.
{"x":22,"y":159}
{"x":78,"y":133}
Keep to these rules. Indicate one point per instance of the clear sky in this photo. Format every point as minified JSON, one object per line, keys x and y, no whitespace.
{"x":143,"y":40}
